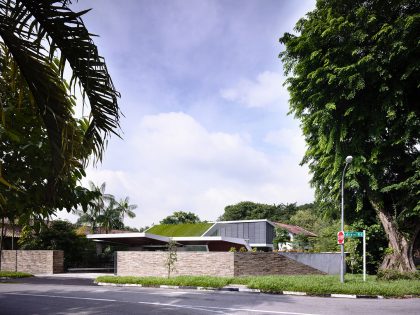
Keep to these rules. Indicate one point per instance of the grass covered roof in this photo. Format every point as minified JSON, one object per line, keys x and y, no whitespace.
{"x":187,"y":229}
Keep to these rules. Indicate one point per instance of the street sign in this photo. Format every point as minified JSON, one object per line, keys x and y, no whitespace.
{"x":353,"y":234}
{"x":340,"y":238}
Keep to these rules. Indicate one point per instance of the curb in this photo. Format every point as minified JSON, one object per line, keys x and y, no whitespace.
{"x":236,"y":289}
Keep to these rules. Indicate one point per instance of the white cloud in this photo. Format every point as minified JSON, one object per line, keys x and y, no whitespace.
{"x":173,"y":163}
{"x":265,"y":91}
{"x":290,"y":139}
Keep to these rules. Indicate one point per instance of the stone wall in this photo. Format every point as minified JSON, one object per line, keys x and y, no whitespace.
{"x":260,"y":264}
{"x":224,"y":264}
{"x":188,"y":263}
{"x":33,"y":261}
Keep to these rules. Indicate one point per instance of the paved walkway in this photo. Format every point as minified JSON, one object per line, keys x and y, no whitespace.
{"x":74,"y":275}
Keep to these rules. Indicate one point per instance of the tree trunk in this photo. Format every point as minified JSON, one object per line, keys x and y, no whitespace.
{"x":1,"y":239}
{"x":401,"y":255}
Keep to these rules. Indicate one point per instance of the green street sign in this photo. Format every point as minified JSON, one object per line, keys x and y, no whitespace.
{"x":353,"y":234}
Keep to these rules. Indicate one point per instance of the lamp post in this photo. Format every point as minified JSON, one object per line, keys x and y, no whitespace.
{"x":348,"y":161}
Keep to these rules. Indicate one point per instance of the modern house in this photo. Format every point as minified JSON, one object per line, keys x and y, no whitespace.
{"x":217,"y":236}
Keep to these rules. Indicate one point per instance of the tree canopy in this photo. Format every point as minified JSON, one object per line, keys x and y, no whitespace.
{"x":248,"y":210}
{"x":105,"y":212}
{"x":353,"y":71}
{"x":179,"y":217}
{"x":33,"y":34}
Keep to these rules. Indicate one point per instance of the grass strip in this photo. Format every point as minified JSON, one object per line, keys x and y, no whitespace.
{"x":330,"y":284}
{"x":194,"y":281}
{"x":312,"y":284}
{"x":14,"y":274}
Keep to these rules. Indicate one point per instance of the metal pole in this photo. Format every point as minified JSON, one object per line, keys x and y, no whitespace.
{"x":342,"y":225}
{"x":348,"y":161}
{"x":364,"y":255}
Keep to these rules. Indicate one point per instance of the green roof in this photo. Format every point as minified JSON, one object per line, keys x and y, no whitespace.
{"x":187,"y":229}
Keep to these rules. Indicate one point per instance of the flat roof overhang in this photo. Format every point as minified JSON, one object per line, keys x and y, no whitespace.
{"x":131,"y":239}
{"x":147,"y":239}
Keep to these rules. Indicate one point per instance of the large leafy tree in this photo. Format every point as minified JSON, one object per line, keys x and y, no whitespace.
{"x":354,"y":85}
{"x":180,"y":217}
{"x":248,"y":210}
{"x":33,"y":34}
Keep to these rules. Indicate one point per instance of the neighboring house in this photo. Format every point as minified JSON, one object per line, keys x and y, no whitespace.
{"x":11,"y":236}
{"x":293,"y":230}
{"x":217,"y":236}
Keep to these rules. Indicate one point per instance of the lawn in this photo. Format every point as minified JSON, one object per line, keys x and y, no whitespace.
{"x":312,"y":284}
{"x":174,"y":230}
{"x":13,"y":274}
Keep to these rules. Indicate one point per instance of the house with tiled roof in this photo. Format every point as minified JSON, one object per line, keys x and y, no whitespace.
{"x":292,"y":231}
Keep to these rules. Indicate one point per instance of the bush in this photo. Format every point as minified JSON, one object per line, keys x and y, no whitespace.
{"x":392,"y":274}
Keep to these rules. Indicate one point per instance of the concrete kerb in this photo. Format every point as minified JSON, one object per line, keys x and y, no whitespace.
{"x":245,"y":289}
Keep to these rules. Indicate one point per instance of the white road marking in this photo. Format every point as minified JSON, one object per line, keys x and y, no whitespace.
{"x":63,"y":297}
{"x":212,"y":309}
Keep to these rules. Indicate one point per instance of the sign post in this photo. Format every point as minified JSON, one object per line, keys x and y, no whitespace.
{"x":364,"y":255}
{"x":357,"y":234}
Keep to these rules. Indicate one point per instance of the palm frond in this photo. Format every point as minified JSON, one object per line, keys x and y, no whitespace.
{"x":68,"y":32}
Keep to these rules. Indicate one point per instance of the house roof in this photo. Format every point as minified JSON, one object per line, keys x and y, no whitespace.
{"x":140,"y":239}
{"x":8,"y":231}
{"x":175,"y":230}
{"x":294,"y":229}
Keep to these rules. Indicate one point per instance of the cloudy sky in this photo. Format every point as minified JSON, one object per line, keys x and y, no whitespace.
{"x":206,"y":121}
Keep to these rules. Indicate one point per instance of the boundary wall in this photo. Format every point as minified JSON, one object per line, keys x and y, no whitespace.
{"x":223,"y":264}
{"x":33,"y":261}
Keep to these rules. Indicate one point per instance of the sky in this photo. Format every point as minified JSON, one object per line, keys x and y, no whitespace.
{"x":206,"y":120}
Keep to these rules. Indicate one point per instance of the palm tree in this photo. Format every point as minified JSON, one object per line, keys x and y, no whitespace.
{"x":126,"y":209}
{"x":35,"y":32}
{"x":93,"y":216}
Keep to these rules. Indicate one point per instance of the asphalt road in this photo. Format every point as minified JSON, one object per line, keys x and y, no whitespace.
{"x":80,"y":296}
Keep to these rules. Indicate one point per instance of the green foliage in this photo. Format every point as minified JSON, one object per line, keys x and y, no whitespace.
{"x":181,"y":217}
{"x":282,"y":236}
{"x":26,"y":156}
{"x":60,"y":235}
{"x":353,"y":85}
{"x":199,"y":281}
{"x":173,"y":230}
{"x":312,"y":284}
{"x":38,"y":39}
{"x":248,"y":210}
{"x":232,"y":249}
{"x":392,"y":275}
{"x":242,"y":249}
{"x":301,"y":242}
{"x":105,"y":212}
{"x":14,"y":274}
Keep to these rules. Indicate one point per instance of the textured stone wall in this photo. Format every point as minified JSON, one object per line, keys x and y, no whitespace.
{"x":225,"y":264}
{"x":33,"y":261}
{"x":261,"y":263}
{"x":188,"y":263}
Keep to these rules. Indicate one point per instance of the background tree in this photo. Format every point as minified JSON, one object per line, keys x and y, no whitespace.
{"x":60,"y":235}
{"x":354,"y":87}
{"x":179,"y":217}
{"x":247,"y":210}
{"x":104,"y":212}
